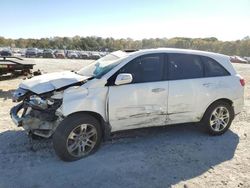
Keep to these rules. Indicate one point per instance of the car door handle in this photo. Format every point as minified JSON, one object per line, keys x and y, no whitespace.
{"x":157,"y":90}
{"x":207,"y":84}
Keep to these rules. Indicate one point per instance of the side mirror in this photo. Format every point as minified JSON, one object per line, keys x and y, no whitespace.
{"x":123,"y":78}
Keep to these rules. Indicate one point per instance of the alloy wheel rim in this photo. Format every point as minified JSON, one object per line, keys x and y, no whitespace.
{"x":81,"y":140}
{"x":219,"y":119}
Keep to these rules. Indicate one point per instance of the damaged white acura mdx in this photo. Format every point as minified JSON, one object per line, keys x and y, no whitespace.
{"x":128,"y":90}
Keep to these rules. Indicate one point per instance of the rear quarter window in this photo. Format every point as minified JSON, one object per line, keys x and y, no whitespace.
{"x":213,"y":68}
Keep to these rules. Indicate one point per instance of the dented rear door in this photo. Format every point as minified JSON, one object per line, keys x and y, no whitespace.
{"x":187,"y":92}
{"x":195,"y":86}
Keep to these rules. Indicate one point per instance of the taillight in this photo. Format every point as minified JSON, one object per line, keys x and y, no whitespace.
{"x":242,"y":82}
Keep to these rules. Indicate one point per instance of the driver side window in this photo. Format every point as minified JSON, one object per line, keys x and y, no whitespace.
{"x":147,"y":68}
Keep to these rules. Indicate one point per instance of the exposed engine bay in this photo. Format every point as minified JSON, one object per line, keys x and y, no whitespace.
{"x":37,"y":114}
{"x":39,"y":110}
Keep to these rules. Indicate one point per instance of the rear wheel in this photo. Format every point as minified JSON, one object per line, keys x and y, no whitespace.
{"x":77,"y":136}
{"x":218,"y":118}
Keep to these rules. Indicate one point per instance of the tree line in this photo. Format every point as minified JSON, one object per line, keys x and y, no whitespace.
{"x":238,"y":47}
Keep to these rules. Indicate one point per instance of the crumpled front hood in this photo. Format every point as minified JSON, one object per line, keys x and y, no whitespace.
{"x":52,"y":81}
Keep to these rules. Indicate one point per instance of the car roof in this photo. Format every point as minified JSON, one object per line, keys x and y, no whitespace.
{"x":224,"y":60}
{"x":176,"y":50}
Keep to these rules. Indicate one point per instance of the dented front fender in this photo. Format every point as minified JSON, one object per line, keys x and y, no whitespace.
{"x":82,"y":99}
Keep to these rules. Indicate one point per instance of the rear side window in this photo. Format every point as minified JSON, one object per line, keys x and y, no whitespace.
{"x":213,"y":68}
{"x":184,"y":66}
{"x":148,"y":68}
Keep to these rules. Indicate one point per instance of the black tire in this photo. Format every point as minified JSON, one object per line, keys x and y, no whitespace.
{"x":208,"y":114}
{"x":66,"y":127}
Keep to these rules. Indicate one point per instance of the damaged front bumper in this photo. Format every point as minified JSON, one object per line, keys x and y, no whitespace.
{"x":14,"y":115}
{"x":33,"y":122}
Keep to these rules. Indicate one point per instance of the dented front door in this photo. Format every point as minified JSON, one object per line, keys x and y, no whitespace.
{"x":143,"y":102}
{"x":138,"y":105}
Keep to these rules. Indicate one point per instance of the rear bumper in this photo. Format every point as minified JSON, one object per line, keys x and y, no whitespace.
{"x":14,"y":114}
{"x":238,"y":105}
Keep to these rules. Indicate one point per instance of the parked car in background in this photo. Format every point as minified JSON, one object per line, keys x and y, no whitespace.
{"x":23,"y":52}
{"x":17,"y":53}
{"x":83,"y":55}
{"x":237,"y":59}
{"x":248,"y":59}
{"x":102,"y":54}
{"x":6,"y":52}
{"x":39,"y":53}
{"x":145,"y":88}
{"x":31,"y":52}
{"x":48,"y":53}
{"x":94,"y":55}
{"x":59,"y":54}
{"x":72,"y":54}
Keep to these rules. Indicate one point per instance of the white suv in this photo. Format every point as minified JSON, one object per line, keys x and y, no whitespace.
{"x":128,"y":90}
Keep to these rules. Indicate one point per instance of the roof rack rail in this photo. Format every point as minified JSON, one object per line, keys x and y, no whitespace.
{"x":130,"y":50}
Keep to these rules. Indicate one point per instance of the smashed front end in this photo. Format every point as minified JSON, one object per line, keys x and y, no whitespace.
{"x":40,"y":101}
{"x":37,"y":114}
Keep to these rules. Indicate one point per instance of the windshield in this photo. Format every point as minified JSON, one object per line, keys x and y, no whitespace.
{"x":100,"y":67}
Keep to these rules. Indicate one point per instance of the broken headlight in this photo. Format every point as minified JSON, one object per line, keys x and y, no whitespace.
{"x":46,"y":102}
{"x":19,"y":95}
{"x":37,"y":101}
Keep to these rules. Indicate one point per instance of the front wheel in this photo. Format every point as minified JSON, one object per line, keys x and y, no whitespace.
{"x":77,"y":136}
{"x":218,"y":118}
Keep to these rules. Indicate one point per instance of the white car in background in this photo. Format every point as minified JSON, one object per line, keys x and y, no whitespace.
{"x":72,"y":54}
{"x":120,"y":91}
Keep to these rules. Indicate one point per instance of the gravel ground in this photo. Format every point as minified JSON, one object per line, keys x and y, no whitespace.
{"x":173,"y":156}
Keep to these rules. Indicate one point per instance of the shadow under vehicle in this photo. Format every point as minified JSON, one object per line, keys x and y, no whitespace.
{"x":149,"y":157}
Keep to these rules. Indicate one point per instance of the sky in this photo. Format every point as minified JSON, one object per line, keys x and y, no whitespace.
{"x":137,"y":19}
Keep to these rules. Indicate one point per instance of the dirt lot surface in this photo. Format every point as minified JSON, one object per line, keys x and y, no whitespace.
{"x":174,"y":156}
